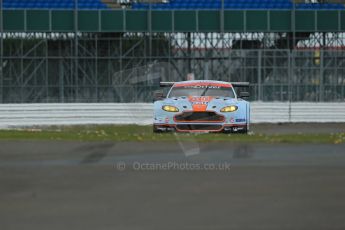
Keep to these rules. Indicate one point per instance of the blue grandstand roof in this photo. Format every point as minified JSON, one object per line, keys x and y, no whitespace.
{"x":53,"y":4}
{"x":234,"y":4}
{"x":171,"y":5}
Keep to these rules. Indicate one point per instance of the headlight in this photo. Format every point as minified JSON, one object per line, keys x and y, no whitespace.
{"x":231,"y":108}
{"x":170,"y":108}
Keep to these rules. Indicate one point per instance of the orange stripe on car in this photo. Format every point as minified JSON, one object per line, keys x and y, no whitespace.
{"x":199,"y":104}
{"x":199,"y":107}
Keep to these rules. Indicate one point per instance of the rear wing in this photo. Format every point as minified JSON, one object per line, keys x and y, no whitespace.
{"x":166,"y":84}
{"x":234,"y":84}
{"x":240,"y":84}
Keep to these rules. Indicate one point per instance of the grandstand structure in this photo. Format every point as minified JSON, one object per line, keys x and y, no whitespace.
{"x":117,"y":51}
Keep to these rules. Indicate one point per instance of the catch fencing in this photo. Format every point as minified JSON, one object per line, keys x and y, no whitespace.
{"x":21,"y":115}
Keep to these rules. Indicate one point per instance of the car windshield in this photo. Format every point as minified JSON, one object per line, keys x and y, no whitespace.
{"x":213,"y":91}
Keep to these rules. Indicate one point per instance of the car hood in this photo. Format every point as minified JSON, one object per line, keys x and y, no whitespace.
{"x":203,"y":103}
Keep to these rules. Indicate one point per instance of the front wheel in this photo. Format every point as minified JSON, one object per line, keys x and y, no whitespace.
{"x":244,"y":131}
{"x":162,"y":129}
{"x":156,"y":130}
{"x":235,"y":130}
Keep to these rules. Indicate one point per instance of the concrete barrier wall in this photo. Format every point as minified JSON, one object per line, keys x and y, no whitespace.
{"x":17,"y":115}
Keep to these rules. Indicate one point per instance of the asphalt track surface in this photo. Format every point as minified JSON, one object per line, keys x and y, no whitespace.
{"x":178,"y":185}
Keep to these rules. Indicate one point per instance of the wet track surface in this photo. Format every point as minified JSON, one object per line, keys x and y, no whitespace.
{"x":99,"y":185}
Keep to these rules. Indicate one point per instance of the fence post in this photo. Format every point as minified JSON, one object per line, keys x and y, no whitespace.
{"x":259,"y":75}
{"x":1,"y":53}
{"x":290,"y":73}
{"x":321,"y":97}
{"x":76,"y":52}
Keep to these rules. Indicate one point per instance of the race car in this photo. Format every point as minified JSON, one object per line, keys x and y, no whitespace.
{"x":202,"y":106}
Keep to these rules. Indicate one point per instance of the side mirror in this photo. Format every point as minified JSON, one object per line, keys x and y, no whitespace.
{"x":244,"y":95}
{"x":158,"y":96}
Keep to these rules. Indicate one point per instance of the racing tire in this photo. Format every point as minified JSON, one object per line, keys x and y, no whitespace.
{"x":155,"y":130}
{"x":244,"y":131}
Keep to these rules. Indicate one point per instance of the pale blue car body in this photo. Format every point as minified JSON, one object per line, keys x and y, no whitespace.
{"x":237,"y":120}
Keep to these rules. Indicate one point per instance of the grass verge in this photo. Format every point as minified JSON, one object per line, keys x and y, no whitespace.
{"x":144,"y":133}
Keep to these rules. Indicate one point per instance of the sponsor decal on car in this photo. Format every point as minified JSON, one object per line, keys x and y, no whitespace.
{"x":200,"y":100}
{"x":240,"y":120}
{"x":199,"y":103}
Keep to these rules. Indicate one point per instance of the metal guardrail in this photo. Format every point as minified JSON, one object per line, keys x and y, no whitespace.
{"x":18,"y":115}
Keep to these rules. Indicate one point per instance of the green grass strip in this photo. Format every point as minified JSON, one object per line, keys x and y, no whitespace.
{"x":144,"y":133}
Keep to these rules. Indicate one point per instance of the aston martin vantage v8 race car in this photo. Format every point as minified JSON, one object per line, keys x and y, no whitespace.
{"x":202,"y":106}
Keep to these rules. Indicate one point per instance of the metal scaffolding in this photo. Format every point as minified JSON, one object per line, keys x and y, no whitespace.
{"x":98,"y":60}
{"x":126,"y":67}
{"x":1,"y":53}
